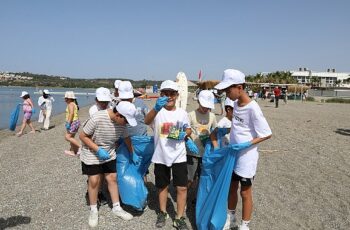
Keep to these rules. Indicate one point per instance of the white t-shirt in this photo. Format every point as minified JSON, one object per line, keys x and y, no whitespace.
{"x":248,"y":122}
{"x":93,"y":109}
{"x":104,"y":132}
{"x":45,"y":103}
{"x":225,"y":123}
{"x":168,"y":151}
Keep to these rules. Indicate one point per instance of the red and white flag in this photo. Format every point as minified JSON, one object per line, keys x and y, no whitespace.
{"x":200,"y":75}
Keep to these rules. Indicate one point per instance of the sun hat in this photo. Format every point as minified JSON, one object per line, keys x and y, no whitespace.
{"x":169,"y":85}
{"x":24,"y":93}
{"x":103,"y":94}
{"x":125,"y":90}
{"x":229,"y":102}
{"x":46,"y":91}
{"x":206,"y":99}
{"x":116,"y":83}
{"x":69,"y":94}
{"x":128,"y":110}
{"x":231,"y":77}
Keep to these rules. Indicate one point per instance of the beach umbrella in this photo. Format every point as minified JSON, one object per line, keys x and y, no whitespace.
{"x":14,"y":117}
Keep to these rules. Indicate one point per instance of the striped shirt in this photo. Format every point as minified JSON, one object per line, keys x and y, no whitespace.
{"x":105,"y":133}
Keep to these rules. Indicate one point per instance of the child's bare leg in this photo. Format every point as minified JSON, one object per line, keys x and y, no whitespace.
{"x":163,"y":198}
{"x":73,"y":142}
{"x":111,"y":179}
{"x":247,"y":202}
{"x":233,"y":197}
{"x":30,"y":124}
{"x":24,"y":122}
{"x":93,"y":185}
{"x":181,"y":196}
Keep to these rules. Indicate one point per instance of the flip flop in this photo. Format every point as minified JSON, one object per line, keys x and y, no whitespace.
{"x":69,"y":153}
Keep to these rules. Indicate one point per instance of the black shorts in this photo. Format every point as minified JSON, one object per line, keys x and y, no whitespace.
{"x":90,"y":170}
{"x":162,"y":174}
{"x":242,"y":180}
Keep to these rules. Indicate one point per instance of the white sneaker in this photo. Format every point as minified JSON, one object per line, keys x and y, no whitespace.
{"x":122,"y":214}
{"x":93,"y":219}
{"x":243,"y":227}
{"x":230,"y":221}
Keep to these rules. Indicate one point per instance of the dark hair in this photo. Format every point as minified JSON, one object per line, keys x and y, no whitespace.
{"x":76,"y":102}
{"x":45,"y":95}
{"x":227,"y":107}
{"x":26,"y":96}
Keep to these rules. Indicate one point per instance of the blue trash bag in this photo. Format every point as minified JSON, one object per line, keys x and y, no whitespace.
{"x":213,"y":189}
{"x":14,"y":117}
{"x":132,"y":188}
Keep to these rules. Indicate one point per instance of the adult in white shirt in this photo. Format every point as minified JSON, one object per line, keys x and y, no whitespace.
{"x":45,"y":104}
{"x":249,"y":127}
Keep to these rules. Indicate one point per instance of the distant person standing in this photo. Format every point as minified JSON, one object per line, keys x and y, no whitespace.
{"x":72,"y":123}
{"x":28,"y":110}
{"x":277,"y":93}
{"x":45,"y":104}
{"x":284,"y":95}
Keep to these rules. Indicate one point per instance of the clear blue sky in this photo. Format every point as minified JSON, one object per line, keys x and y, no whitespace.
{"x":156,"y":39}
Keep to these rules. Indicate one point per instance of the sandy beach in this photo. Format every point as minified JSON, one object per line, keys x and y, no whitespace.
{"x":302,"y":182}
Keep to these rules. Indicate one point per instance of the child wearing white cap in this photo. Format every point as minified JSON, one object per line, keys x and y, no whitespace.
{"x":126,"y":93}
{"x":115,"y":97}
{"x":45,"y":104}
{"x":98,"y":154}
{"x":102,"y":99}
{"x":224,"y":126}
{"x":171,"y":129}
{"x":28,"y":110}
{"x":203,"y":122}
{"x":249,"y":127}
{"x":72,"y":123}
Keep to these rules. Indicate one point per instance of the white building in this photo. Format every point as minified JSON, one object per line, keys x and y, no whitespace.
{"x":326,"y":79}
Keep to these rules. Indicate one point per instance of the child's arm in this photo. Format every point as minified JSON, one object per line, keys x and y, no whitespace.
{"x":30,"y":103}
{"x":260,"y":139}
{"x":213,"y":138}
{"x":150,"y":116}
{"x":88,"y":141}
{"x":128,"y":143}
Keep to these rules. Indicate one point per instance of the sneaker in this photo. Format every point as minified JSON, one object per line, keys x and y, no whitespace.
{"x":93,"y":219}
{"x":180,"y":224}
{"x":243,"y":227}
{"x":161,"y":219}
{"x":122,"y":214}
{"x":230,"y":221}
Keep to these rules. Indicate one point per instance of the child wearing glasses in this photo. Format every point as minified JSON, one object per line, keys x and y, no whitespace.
{"x":171,"y":129}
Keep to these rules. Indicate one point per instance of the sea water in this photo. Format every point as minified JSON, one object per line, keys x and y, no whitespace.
{"x":10,"y":97}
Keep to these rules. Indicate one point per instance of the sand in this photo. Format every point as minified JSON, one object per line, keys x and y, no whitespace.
{"x":302,"y":182}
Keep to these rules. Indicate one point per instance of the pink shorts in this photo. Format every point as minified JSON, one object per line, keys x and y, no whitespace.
{"x":74,"y":126}
{"x":27,"y":115}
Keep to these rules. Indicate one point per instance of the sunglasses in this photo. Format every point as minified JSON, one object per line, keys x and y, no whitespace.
{"x":169,"y":93}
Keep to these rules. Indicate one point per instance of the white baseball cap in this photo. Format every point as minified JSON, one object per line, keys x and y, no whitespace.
{"x":231,"y":77}
{"x":229,"y":102}
{"x":206,"y":99}
{"x":103,"y":94}
{"x":69,"y":94}
{"x":24,"y":93}
{"x":125,"y":90}
{"x":116,"y":83}
{"x":169,"y":85}
{"x":128,"y":110}
{"x":46,"y":91}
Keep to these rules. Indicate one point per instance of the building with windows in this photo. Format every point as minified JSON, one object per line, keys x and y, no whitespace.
{"x":323,"y":79}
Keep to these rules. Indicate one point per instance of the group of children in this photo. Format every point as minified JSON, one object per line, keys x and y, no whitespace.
{"x":179,"y":139}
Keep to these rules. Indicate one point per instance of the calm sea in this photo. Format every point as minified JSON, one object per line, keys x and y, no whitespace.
{"x":10,"y":97}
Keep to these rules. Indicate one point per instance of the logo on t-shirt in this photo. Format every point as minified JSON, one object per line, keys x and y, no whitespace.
{"x":238,"y":118}
{"x":172,"y":130}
